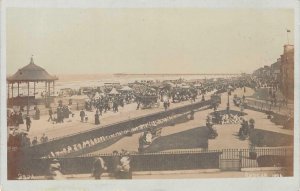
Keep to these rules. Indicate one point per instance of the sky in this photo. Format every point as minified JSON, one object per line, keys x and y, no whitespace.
{"x":146,"y":40}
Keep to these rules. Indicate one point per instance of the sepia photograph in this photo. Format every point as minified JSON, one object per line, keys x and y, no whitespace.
{"x":109,"y":93}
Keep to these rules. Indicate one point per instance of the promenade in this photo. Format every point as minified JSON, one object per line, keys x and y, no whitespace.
{"x":188,"y":135}
{"x":74,"y":125}
{"x":191,"y":174}
{"x":182,"y":136}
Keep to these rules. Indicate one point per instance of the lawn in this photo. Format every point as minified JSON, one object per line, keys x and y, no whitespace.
{"x":189,"y":139}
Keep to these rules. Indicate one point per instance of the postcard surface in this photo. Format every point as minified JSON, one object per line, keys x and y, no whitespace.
{"x":167,"y":96}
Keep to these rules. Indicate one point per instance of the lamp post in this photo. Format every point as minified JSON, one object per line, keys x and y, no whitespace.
{"x":228,"y":104}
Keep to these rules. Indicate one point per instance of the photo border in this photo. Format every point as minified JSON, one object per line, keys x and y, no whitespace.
{"x":282,"y":183}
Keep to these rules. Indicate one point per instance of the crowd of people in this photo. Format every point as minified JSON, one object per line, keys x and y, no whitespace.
{"x":120,"y":167}
{"x":184,"y":94}
{"x":21,"y":139}
{"x":62,"y":112}
{"x":226,"y":118}
{"x":212,"y":132}
{"x":16,"y":118}
{"x":246,"y":128}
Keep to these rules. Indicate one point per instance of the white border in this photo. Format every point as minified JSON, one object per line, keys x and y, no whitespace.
{"x":145,"y":185}
{"x":153,"y":3}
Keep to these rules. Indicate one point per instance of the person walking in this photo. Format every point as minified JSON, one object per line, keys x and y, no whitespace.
{"x":100,"y":107}
{"x":20,"y":118}
{"x":55,"y":171}
{"x":44,"y":138}
{"x":98,"y":168}
{"x":37,"y":113}
{"x":28,"y":122}
{"x":82,"y":115}
{"x":116,"y":164}
{"x":50,"y":114}
{"x":34,"y":141}
{"x":125,"y":172}
{"x":97,"y":120}
{"x":165,"y":105}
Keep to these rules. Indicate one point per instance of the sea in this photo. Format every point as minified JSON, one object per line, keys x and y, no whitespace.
{"x":76,"y":81}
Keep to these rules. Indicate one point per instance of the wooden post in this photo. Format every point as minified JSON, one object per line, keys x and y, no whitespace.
{"x":54,"y":88}
{"x":49,"y":89}
{"x":18,"y":89}
{"x":46,"y":94}
{"x":45,"y":87}
{"x":28,"y":98}
{"x":12,"y":90}
{"x":34,"y":89}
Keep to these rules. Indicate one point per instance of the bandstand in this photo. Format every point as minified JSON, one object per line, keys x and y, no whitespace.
{"x":27,"y":78}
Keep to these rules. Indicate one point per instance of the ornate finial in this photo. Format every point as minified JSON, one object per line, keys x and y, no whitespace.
{"x":31,"y":60}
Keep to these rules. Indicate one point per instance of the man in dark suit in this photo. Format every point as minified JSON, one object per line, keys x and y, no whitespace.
{"x":82,"y":114}
{"x":28,"y":122}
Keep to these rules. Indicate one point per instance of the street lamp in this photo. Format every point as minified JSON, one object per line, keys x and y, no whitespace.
{"x":229,"y":93}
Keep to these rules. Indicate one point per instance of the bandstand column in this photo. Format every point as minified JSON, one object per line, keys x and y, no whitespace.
{"x":46,"y":93}
{"x":49,"y":88}
{"x":18,"y":89}
{"x":45,"y":87}
{"x":12,"y":90}
{"x":54,"y":88}
{"x":34,"y":89}
{"x":28,"y":98}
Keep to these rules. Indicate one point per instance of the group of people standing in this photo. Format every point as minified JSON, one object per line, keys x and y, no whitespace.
{"x":105,"y":103}
{"x":120,"y":169}
{"x":16,"y":119}
{"x":246,"y":127}
{"x":62,"y":112}
{"x":21,"y":139}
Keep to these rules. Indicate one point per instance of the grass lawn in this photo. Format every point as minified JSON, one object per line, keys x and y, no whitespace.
{"x":189,"y":139}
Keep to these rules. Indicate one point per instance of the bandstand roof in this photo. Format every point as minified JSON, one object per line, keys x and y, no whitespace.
{"x":30,"y":73}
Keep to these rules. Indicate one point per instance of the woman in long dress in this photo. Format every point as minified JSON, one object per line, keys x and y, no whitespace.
{"x":97,"y":119}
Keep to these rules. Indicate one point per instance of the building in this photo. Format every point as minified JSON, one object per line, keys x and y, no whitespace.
{"x":275,"y":70}
{"x":30,"y":74}
{"x":287,"y":72}
{"x":263,"y":72}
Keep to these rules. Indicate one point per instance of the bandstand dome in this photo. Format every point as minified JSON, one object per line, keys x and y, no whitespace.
{"x":31,"y":72}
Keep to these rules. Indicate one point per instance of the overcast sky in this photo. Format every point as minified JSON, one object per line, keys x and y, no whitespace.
{"x":157,"y":40}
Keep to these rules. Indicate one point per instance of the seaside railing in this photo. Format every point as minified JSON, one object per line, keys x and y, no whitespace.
{"x":267,"y":106}
{"x":225,"y":160}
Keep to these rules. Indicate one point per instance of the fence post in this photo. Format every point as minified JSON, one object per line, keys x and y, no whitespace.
{"x":240,"y":158}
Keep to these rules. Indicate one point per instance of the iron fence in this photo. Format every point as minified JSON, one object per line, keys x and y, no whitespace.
{"x":267,"y":106}
{"x":226,"y":160}
{"x":235,"y":159}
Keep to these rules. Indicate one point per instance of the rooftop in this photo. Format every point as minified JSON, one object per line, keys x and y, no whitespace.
{"x":31,"y":72}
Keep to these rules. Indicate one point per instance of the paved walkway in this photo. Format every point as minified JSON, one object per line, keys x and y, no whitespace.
{"x":187,"y":174}
{"x":227,"y":133}
{"x":261,"y":121}
{"x":261,"y":99}
{"x":227,"y":138}
{"x":73,"y":124}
